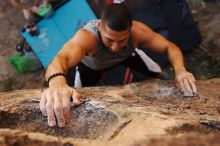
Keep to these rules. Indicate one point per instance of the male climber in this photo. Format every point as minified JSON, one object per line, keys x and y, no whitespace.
{"x":100,"y":45}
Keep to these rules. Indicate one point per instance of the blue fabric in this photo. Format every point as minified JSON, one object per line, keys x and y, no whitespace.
{"x":58,"y":29}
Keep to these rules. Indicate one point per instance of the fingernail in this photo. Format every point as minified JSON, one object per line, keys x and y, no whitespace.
{"x":191,"y":93}
{"x":52,"y":124}
{"x":67,"y":119}
{"x":195,"y":91}
{"x":77,"y":101}
{"x":61,"y":124}
{"x":186,"y":94}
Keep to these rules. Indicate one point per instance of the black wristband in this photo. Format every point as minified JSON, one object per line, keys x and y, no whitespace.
{"x":53,"y":76}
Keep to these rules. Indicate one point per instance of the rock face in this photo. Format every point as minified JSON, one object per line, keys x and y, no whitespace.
{"x":146,"y":113}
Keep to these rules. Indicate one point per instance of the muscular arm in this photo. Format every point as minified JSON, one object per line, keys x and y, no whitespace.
{"x":155,"y":42}
{"x":55,"y":100}
{"x":72,"y":52}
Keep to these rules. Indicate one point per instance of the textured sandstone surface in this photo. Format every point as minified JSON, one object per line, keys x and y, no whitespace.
{"x":147,"y":113}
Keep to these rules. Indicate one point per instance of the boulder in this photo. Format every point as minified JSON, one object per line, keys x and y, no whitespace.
{"x":152,"y":112}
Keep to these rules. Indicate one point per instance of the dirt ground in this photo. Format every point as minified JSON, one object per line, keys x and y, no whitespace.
{"x":204,"y":61}
{"x":11,"y":21}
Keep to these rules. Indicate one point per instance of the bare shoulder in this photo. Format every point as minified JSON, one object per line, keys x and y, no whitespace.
{"x":140,"y":32}
{"x":85,"y":40}
{"x":138,"y":29}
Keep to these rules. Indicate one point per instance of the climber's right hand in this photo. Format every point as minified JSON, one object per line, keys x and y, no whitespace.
{"x":55,"y":103}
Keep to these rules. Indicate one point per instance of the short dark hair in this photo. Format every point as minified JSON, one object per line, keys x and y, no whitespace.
{"x":117,"y":17}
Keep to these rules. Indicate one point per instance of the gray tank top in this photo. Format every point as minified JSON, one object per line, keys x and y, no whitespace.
{"x":103,"y":58}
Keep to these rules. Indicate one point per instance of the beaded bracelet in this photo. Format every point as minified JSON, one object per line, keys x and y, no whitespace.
{"x":53,"y":76}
